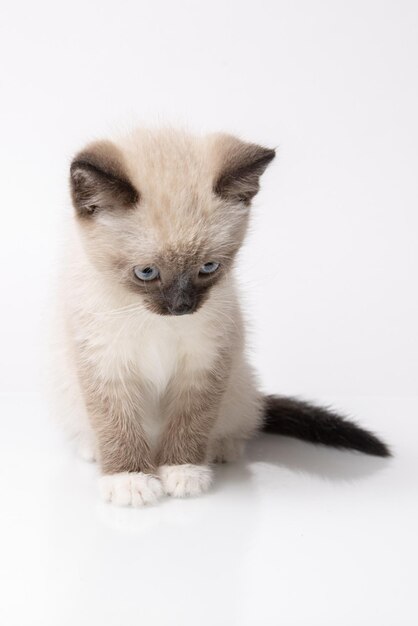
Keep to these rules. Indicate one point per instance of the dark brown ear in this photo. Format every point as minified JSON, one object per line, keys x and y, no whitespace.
{"x":99,"y":180}
{"x":241,"y":167}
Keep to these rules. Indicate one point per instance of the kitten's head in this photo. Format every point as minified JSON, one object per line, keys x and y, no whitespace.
{"x":164,"y":213}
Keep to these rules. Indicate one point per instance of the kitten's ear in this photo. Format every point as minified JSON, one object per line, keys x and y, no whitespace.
{"x":240,"y":167}
{"x":99,"y":180}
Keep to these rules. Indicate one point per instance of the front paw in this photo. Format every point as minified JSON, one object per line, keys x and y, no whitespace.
{"x":185,"y":480}
{"x":131,"y":489}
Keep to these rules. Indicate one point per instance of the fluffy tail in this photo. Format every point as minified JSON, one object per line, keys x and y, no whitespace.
{"x":295,"y":418}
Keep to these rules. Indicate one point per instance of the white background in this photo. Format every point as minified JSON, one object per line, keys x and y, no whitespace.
{"x":329,"y":274}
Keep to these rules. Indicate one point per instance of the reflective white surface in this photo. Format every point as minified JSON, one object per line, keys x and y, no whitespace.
{"x":293,"y":535}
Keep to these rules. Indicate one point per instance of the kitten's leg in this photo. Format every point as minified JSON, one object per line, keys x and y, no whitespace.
{"x":192,"y":410}
{"x":66,"y":397}
{"x":240,"y":415}
{"x":226,"y":450}
{"x":129,"y":474}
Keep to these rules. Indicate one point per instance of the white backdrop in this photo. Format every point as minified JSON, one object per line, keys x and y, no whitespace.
{"x":329,"y":275}
{"x":330,"y":270}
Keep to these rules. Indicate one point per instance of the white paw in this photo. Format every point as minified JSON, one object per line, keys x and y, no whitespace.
{"x":227,"y":450}
{"x":185,"y":480}
{"x":130,"y":488}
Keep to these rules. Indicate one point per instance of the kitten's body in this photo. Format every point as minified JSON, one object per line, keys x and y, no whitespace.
{"x":124,"y":340}
{"x":156,"y":395}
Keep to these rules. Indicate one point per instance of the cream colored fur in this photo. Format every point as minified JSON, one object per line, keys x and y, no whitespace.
{"x":108,"y":328}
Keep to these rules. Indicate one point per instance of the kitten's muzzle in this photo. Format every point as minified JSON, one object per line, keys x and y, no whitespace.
{"x":181,"y":297}
{"x":182,"y":305}
{"x":183,"y":309}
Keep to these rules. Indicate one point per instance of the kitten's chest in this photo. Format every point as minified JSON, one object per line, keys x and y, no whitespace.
{"x":156,"y":356}
{"x":166,"y":349}
{"x":156,"y":350}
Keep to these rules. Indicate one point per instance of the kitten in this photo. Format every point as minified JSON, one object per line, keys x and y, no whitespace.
{"x":153,"y":378}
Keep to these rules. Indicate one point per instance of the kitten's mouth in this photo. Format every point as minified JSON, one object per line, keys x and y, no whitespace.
{"x":181,"y":304}
{"x":182,"y":309}
{"x":185,"y":312}
{"x":170,"y":311}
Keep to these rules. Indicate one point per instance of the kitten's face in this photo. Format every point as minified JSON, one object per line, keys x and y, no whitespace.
{"x":164,"y":214}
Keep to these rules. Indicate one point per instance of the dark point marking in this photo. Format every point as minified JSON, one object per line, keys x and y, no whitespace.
{"x":303,"y":420}
{"x":99,"y":181}
{"x":244,"y":164}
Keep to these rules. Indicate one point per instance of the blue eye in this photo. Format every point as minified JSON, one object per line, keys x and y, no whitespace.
{"x":209,"y":268}
{"x":146,"y":273}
